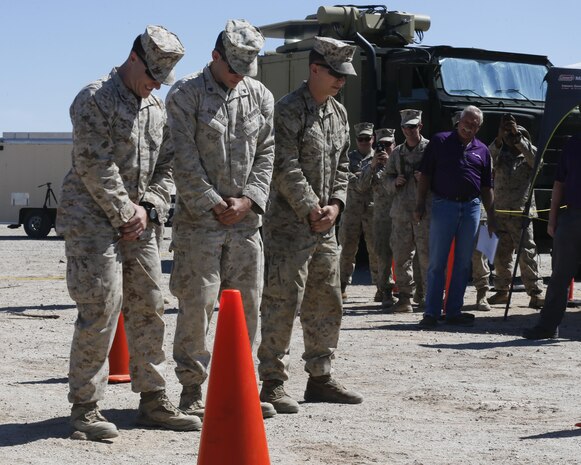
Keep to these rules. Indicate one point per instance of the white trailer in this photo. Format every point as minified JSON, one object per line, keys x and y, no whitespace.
{"x":32,"y":165}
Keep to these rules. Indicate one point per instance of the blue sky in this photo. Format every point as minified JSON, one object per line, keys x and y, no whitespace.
{"x":50,"y":49}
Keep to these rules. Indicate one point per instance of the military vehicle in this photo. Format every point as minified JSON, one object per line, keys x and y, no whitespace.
{"x":394,"y":71}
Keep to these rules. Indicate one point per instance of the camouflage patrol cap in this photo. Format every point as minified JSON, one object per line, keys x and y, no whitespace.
{"x":410,"y":116}
{"x":162,"y":50}
{"x":385,"y":135}
{"x":362,"y":129}
{"x":337,"y":54}
{"x":242,"y":42}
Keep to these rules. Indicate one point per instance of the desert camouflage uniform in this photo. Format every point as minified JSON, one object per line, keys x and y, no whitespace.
{"x":302,"y":267}
{"x":121,"y":154}
{"x":382,"y":201}
{"x":224,"y":147}
{"x":357,"y":218}
{"x":512,"y":177}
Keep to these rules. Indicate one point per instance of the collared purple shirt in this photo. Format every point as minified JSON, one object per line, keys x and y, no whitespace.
{"x":457,"y":172}
{"x":569,"y":171}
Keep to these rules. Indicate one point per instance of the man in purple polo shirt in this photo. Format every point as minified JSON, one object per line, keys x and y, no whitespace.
{"x":457,"y":168}
{"x":565,"y":228}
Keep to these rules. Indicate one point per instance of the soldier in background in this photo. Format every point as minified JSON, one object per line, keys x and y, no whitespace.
{"x":513,"y":157}
{"x":382,"y":200}
{"x":222,"y":126}
{"x":357,"y":218}
{"x":309,"y":189}
{"x":408,"y":237}
{"x":117,"y":190}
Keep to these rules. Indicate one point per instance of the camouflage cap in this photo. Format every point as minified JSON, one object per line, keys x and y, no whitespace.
{"x":242,"y":42}
{"x":362,"y":129}
{"x":385,"y":135}
{"x":162,"y":50}
{"x":337,"y":54}
{"x":410,"y":116}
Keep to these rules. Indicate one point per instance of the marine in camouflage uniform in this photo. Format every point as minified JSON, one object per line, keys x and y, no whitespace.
{"x":408,"y":237}
{"x":513,"y":157}
{"x":119,"y":185}
{"x":309,"y":189}
{"x":357,"y":218}
{"x":382,"y":200}
{"x":222,"y":126}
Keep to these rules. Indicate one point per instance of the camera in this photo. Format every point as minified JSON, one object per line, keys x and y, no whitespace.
{"x":383,"y":146}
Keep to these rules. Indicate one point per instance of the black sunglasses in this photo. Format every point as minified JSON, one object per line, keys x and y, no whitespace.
{"x":409,"y":126}
{"x":332,"y":72}
{"x":147,"y":71}
{"x":364,"y":139}
{"x":230,"y":69}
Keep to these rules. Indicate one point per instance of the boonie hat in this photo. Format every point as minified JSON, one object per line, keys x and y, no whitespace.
{"x":162,"y":50}
{"x":242,"y":42}
{"x":337,"y":54}
{"x":385,"y":135}
{"x":363,"y":129}
{"x":410,"y":116}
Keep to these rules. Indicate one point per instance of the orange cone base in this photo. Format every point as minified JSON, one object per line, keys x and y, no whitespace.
{"x":116,"y":379}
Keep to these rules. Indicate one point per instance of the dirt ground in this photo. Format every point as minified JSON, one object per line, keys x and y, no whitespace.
{"x":480,"y":395}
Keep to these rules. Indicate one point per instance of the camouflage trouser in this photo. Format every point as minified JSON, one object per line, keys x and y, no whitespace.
{"x":306,"y":280}
{"x":407,"y":241}
{"x":126,"y":275}
{"x":206,"y":261}
{"x":353,"y":224}
{"x":382,"y":233}
{"x":509,"y":232}
{"x":480,"y":271}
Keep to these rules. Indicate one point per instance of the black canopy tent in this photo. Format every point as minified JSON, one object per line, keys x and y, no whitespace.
{"x":563,"y":96}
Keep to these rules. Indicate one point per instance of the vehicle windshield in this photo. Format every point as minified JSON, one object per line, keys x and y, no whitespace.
{"x":493,"y":79}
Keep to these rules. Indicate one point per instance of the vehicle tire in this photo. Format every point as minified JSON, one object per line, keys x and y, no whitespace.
{"x":37,"y":224}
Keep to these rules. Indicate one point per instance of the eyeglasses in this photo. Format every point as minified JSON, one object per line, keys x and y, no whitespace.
{"x":331,"y":71}
{"x":147,"y":71}
{"x":409,"y":126}
{"x":364,"y":139}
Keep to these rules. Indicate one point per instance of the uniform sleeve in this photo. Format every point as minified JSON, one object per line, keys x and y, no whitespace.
{"x":339,"y":189}
{"x":486,"y":177}
{"x":528,"y":150}
{"x":192,"y":182}
{"x":288,"y":177}
{"x":93,"y":159}
{"x":258,"y":184}
{"x":494,"y":152}
{"x":161,"y":185}
{"x":388,"y":175}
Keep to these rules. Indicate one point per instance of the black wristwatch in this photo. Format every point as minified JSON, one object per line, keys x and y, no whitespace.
{"x":151,"y":212}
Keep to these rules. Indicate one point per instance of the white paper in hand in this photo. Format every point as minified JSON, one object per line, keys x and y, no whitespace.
{"x":487,"y":244}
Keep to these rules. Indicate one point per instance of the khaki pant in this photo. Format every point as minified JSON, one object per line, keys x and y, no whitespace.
{"x":124,"y":275}
{"x":206,"y":261}
{"x":306,"y":280}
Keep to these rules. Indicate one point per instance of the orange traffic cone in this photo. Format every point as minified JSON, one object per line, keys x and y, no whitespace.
{"x":233,"y":429}
{"x":449,"y":269}
{"x":119,"y":355}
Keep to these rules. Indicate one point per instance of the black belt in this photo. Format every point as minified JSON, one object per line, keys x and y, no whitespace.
{"x":457,"y":198}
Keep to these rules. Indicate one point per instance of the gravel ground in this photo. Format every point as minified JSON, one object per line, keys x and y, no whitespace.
{"x":480,"y":395}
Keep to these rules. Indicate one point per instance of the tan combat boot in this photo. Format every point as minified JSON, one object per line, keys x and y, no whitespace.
{"x":403,"y":305}
{"x":191,"y":402}
{"x":155,"y":409}
{"x":536,"y":301}
{"x":501,"y":297}
{"x":273,"y":393}
{"x":481,"y":301}
{"x":326,"y":389}
{"x":389,"y":300}
{"x":87,"y":419}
